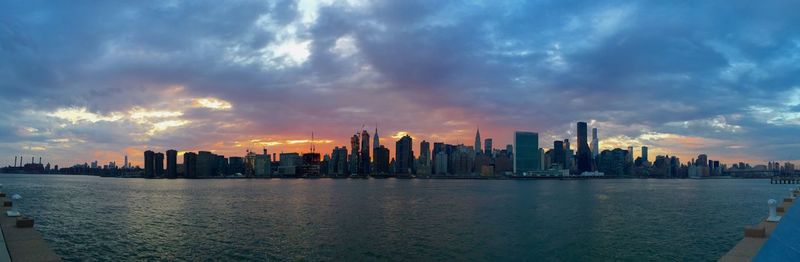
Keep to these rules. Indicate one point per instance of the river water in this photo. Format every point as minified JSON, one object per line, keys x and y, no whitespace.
{"x":111,"y":219}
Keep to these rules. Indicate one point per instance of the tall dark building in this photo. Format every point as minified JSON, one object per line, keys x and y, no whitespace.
{"x":425,"y":153}
{"x":559,"y":154}
{"x":364,"y":162}
{"x":172,"y":163}
{"x":158,"y":159}
{"x":404,"y":156}
{"x":206,"y":164}
{"x":236,"y":165}
{"x":149,"y":169}
{"x":190,"y":165}
{"x":354,"y":154}
{"x":437,"y":147}
{"x":644,"y":154}
{"x":584,"y":155}
{"x":478,"y":142}
{"x":381,"y":160}
{"x":338,"y":162}
{"x":487,"y":146}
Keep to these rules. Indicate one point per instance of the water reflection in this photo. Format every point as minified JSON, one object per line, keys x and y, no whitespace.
{"x":91,"y":218}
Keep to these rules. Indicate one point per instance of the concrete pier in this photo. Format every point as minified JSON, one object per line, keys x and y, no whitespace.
{"x":784,"y":180}
{"x":757,"y":236}
{"x":22,"y":243}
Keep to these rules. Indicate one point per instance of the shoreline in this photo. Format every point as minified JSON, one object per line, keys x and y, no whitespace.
{"x":403,"y":178}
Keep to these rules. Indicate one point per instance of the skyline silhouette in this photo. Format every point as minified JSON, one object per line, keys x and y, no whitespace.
{"x":119,"y":78}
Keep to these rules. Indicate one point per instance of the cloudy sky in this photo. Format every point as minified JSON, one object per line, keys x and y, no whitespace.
{"x":96,"y":80}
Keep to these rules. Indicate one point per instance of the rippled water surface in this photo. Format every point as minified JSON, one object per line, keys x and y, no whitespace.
{"x":112,"y":219}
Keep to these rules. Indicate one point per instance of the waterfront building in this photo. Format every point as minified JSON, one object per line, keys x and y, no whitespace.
{"x":438,"y":147}
{"x":629,"y":157}
{"x":542,"y":164}
{"x":424,"y":153}
{"x":236,"y":164}
{"x":158,"y":166}
{"x":526,"y":158}
{"x":645,"y":160}
{"x":441,"y":162}
{"x":382,"y":161}
{"x":289,"y":163}
{"x":462,"y":160}
{"x":222,"y":166}
{"x":248,"y":167}
{"x":569,"y":155}
{"x":149,"y":162}
{"x":310,"y":166}
{"x":404,"y":155}
{"x":338,"y":162}
{"x":375,"y":140}
{"x":355,"y":144}
{"x":702,"y":160}
{"x":559,"y":155}
{"x":503,"y":164}
{"x":478,"y":142}
{"x":482,"y":161}
{"x":487,"y":146}
{"x":584,"y":156}
{"x":172,"y":163}
{"x":364,"y":161}
{"x":190,"y":165}
{"x":262,"y":165}
{"x":423,"y":166}
{"x":595,"y":144}
{"x":206,"y":163}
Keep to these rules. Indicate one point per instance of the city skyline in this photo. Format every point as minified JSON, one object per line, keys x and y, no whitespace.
{"x":363,"y":150}
{"x":123,"y":78}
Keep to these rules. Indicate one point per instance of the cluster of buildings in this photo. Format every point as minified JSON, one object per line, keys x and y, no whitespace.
{"x":367,"y":157}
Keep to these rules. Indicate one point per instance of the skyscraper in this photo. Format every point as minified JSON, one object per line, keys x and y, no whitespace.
{"x":149,"y":169}
{"x":404,"y":156}
{"x":644,"y":154}
{"x":487,"y":146}
{"x":190,"y":165}
{"x":526,"y":157}
{"x":172,"y":163}
{"x":559,"y":156}
{"x":354,"y":154}
{"x":478,"y":142}
{"x":338,"y":161}
{"x":424,"y":153}
{"x":437,"y":147}
{"x":381,"y":160}
{"x":206,"y":164}
{"x":158,"y":166}
{"x":595,"y":144}
{"x":262,"y":165}
{"x":365,"y":161}
{"x":123,"y":167}
{"x":584,"y":155}
{"x":375,"y":140}
{"x":629,"y":157}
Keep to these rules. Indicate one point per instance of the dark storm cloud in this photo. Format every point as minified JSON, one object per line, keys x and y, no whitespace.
{"x":287,"y":66}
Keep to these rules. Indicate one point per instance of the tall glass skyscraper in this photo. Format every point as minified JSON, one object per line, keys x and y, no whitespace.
{"x":584,"y":155}
{"x":404,"y":156}
{"x":526,"y":157}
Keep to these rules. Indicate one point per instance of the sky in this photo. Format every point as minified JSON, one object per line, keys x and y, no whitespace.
{"x":97,"y":80}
